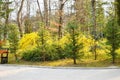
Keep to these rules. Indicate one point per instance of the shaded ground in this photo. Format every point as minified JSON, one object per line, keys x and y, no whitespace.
{"x":69,"y":63}
{"x":10,"y":72}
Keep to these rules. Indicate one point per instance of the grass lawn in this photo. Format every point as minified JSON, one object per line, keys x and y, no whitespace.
{"x":67,"y":62}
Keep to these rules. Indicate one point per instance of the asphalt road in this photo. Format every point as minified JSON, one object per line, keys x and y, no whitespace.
{"x":10,"y":72}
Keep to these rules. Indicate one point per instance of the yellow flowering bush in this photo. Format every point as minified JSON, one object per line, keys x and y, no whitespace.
{"x":28,"y":41}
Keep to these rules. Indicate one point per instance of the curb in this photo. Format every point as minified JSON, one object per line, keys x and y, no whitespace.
{"x":52,"y":67}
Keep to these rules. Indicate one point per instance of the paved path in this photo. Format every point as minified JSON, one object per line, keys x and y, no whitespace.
{"x":8,"y":72}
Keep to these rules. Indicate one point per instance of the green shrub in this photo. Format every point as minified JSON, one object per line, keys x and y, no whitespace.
{"x":32,"y":55}
{"x":37,"y":54}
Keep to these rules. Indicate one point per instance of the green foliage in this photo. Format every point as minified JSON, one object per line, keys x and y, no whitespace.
{"x":112,"y":32}
{"x":117,"y":5}
{"x":37,"y":54}
{"x":44,"y":46}
{"x":42,"y":41}
{"x":72,"y":48}
{"x":13,"y":39}
{"x":52,"y":49}
{"x":5,"y":10}
{"x":32,"y":55}
{"x":61,"y":47}
{"x":1,"y":30}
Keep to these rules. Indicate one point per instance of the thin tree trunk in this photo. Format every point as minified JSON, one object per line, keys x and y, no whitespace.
{"x":60,"y":19}
{"x":113,"y":56}
{"x":41,"y":16}
{"x":43,"y":45}
{"x":74,"y":51}
{"x":49,"y":11}
{"x":16,"y":57}
{"x":46,"y":13}
{"x":94,"y":15}
{"x":94,"y":50}
{"x":93,"y":2}
{"x":18,"y":19}
{"x":113,"y":50}
{"x":62,"y":3}
{"x":113,"y":47}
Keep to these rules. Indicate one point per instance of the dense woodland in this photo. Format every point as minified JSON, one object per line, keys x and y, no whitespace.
{"x":48,"y":30}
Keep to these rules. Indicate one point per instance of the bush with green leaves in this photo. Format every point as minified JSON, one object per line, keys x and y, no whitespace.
{"x":37,"y":54}
{"x":32,"y":55}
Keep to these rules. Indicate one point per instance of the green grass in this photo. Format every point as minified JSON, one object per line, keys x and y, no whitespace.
{"x":68,"y":62}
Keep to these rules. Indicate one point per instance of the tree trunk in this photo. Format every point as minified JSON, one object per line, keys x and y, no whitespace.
{"x":95,"y":46}
{"x":74,"y":49}
{"x":74,"y":60}
{"x":60,"y":19}
{"x":93,"y":2}
{"x":43,"y":44}
{"x":113,"y":52}
{"x":62,"y":3}
{"x":16,"y":57}
{"x":94,"y":16}
{"x":49,"y":11}
{"x":41,"y":16}
{"x":113,"y":47}
{"x":18,"y":19}
{"x":46,"y":13}
{"x":113,"y":56}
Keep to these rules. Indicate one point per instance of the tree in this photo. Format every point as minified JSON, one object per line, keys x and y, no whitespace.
{"x":100,"y":18}
{"x":61,"y":7}
{"x":4,"y":14}
{"x":13,"y":38}
{"x":7,"y":12}
{"x":18,"y":19}
{"x":49,"y":11}
{"x":46,"y":14}
{"x":112,"y":32}
{"x":93,"y":3}
{"x":72,"y":47}
{"x":42,"y":40}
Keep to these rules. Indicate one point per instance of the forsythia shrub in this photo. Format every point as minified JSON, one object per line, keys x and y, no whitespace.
{"x":33,"y":49}
{"x":88,"y":42}
{"x":28,"y":41}
{"x":53,"y":49}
